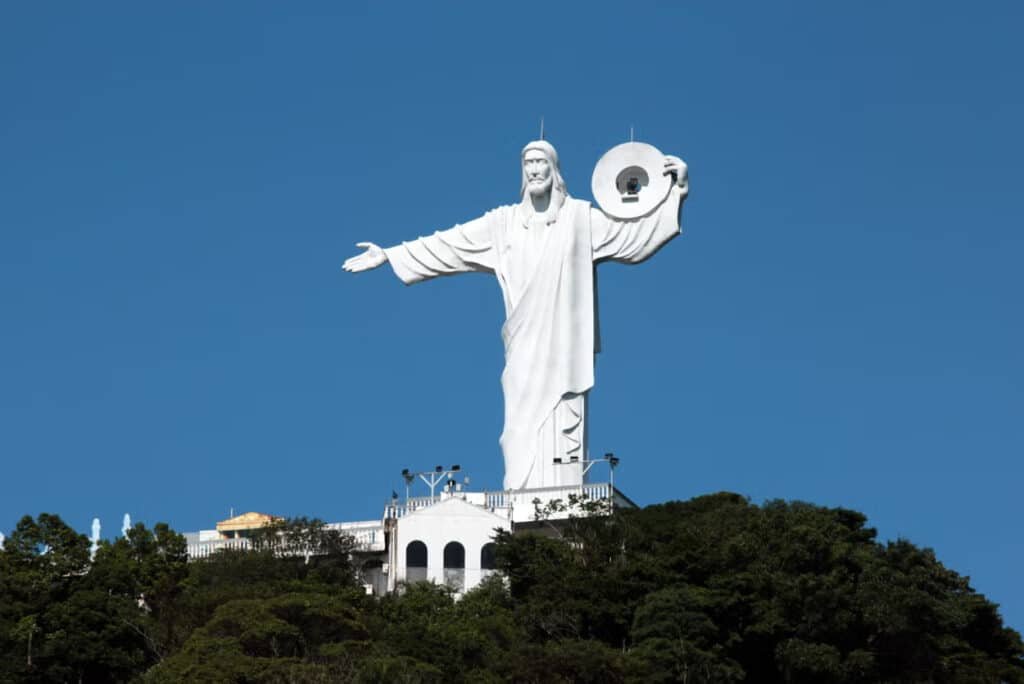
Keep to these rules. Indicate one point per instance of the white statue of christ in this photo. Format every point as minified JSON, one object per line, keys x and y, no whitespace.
{"x":543,"y":251}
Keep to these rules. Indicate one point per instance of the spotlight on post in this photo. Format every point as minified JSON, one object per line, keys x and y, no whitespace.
{"x":433,"y":478}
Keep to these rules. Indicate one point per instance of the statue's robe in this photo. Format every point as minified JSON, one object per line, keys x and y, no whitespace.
{"x":547,"y":277}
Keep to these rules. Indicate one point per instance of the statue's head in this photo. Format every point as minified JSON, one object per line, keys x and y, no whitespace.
{"x":540,"y":169}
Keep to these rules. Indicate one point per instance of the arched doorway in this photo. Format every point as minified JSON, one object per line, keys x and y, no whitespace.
{"x":487,"y":561}
{"x":416,"y":562}
{"x":455,"y":566}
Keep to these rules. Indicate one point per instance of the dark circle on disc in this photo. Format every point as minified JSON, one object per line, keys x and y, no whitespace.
{"x":630,"y":180}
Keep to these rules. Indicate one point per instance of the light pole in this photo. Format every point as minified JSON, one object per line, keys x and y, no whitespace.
{"x":431,"y":478}
{"x":408,"y":477}
{"x":613,"y":461}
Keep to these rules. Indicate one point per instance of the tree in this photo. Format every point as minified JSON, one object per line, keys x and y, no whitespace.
{"x":718,"y":589}
{"x":259,"y":639}
{"x":143,"y":574}
{"x":715,"y":589}
{"x":40,"y":564}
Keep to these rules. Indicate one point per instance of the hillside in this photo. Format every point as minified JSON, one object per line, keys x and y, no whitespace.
{"x":711,"y":589}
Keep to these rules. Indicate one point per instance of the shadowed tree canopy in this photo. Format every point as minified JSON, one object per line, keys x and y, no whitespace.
{"x":715,"y":589}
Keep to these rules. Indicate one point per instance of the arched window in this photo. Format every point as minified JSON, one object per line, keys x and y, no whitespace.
{"x":455,"y":565}
{"x":416,"y":562}
{"x":487,"y":557}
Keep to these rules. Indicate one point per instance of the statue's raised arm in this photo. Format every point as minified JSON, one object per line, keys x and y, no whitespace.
{"x":634,"y":240}
{"x":677,"y":168}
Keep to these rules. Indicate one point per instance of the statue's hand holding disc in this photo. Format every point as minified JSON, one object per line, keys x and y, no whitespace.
{"x":677,"y":167}
{"x":373,"y":257}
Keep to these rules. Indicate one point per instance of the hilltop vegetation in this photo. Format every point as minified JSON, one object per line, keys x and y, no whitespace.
{"x":715,"y":589}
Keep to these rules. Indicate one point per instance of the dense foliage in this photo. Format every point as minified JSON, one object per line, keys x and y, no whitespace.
{"x":710,"y":590}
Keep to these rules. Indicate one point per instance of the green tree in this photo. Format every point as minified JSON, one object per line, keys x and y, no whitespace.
{"x":719,"y":589}
{"x":715,"y":589}
{"x":76,"y":619}
{"x":261,"y":639}
{"x":142,"y":573}
{"x":40,"y":564}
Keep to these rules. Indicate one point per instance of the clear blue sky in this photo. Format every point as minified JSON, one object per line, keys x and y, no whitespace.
{"x":841,"y":322}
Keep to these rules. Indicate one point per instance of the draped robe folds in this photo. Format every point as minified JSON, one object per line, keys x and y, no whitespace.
{"x":550,"y":334}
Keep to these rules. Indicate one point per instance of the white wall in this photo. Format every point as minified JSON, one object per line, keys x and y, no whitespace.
{"x":451,"y":520}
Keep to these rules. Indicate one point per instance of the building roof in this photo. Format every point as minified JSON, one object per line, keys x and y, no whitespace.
{"x":246,"y":521}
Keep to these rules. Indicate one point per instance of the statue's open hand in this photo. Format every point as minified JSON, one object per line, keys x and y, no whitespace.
{"x":677,"y":167}
{"x":372,"y":258}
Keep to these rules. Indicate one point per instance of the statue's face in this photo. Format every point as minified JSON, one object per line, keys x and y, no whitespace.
{"x":537,"y":169}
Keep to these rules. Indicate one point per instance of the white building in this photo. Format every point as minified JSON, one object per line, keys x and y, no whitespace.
{"x":446,"y":538}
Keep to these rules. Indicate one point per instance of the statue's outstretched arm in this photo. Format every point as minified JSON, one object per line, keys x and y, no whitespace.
{"x":373,"y":257}
{"x":464,"y":248}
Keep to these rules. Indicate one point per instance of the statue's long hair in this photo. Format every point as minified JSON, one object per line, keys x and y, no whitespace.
{"x":558,"y":183}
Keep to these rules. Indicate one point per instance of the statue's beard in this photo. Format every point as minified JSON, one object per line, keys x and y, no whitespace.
{"x":537,"y":189}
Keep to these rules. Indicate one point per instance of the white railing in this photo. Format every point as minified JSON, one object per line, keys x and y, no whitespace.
{"x":368,"y":535}
{"x":519,"y":505}
{"x":524,"y":503}
{"x":493,"y":500}
{"x":413,"y":504}
{"x":205,"y":549}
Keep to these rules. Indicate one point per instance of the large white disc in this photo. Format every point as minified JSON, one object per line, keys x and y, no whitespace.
{"x":629,"y":181}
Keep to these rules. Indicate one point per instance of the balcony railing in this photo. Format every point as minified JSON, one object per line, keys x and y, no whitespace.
{"x":516,"y":505}
{"x":368,"y":535}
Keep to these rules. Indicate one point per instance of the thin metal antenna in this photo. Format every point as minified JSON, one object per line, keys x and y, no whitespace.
{"x":542,"y":127}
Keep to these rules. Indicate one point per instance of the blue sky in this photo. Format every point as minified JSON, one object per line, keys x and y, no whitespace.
{"x":840,"y":322}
